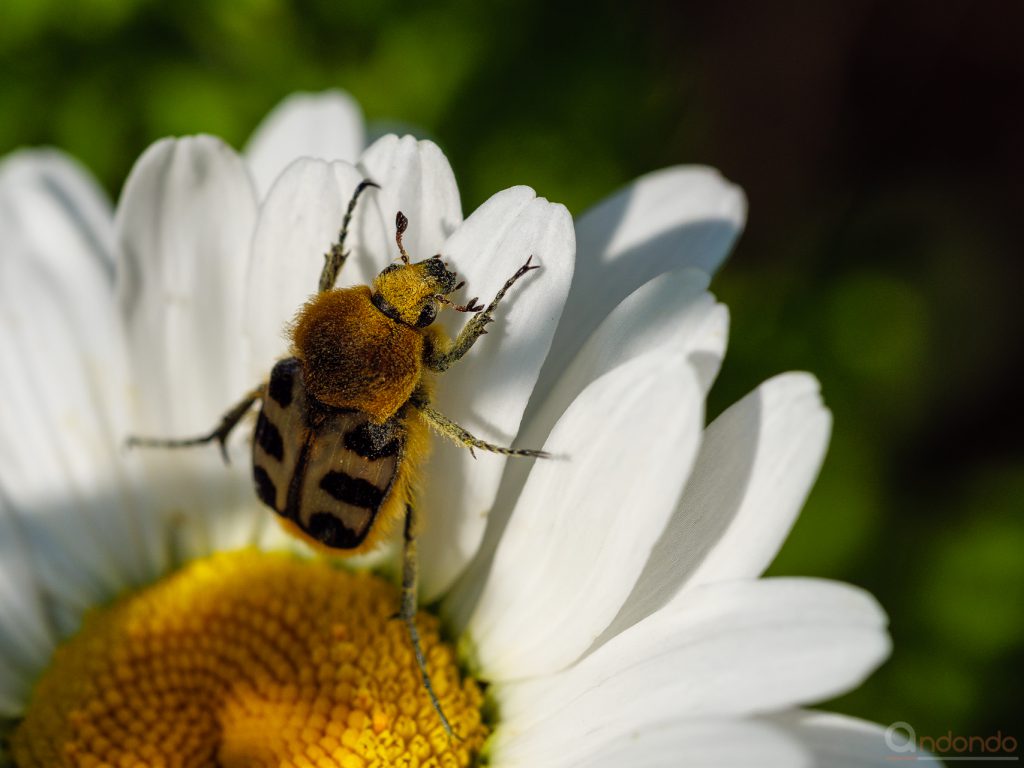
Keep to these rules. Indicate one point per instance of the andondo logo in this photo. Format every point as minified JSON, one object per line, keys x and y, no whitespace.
{"x":903,"y":741}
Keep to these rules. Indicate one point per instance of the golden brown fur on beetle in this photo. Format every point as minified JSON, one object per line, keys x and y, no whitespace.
{"x":355,"y":357}
{"x":363,"y":349}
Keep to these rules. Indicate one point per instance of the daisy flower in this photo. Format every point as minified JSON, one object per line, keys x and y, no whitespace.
{"x":602,"y":608}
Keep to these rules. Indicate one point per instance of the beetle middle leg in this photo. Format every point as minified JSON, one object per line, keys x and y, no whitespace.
{"x":461,"y":436}
{"x":334,"y":259}
{"x":441,"y":360}
{"x":220,"y":433}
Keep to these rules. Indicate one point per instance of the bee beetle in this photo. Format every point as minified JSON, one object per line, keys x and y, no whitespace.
{"x":343,"y":425}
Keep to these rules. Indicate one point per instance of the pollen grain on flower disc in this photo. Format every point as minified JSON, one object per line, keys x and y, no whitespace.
{"x":249,"y":659}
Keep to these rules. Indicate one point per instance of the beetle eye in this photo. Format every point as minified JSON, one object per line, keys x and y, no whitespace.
{"x":427,"y":315}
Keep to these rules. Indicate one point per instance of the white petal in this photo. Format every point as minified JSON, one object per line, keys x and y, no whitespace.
{"x":754,"y":492}
{"x":487,"y":391}
{"x":326,"y":126}
{"x":62,"y":378}
{"x":585,"y":524}
{"x":298,"y":222}
{"x":672,"y":314}
{"x":376,"y":129}
{"x":756,"y":465}
{"x":672,"y":218}
{"x":657,"y":744}
{"x":184,"y":226}
{"x":416,"y":179}
{"x":51,"y":436}
{"x":26,"y":635}
{"x":59,"y":206}
{"x":733,"y":648}
{"x":837,"y":741}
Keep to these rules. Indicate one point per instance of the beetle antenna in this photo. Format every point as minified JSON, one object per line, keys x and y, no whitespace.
{"x":401,"y":224}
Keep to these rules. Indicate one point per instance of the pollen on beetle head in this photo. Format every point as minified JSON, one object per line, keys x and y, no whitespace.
{"x":249,"y":659}
{"x":409,"y":289}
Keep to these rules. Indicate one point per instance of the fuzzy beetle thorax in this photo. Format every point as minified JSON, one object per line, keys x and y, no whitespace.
{"x":354,"y":356}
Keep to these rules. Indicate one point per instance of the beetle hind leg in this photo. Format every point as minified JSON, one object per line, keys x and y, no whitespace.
{"x":407,"y":612}
{"x":220,"y":433}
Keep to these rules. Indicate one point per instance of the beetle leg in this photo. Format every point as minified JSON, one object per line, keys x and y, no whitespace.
{"x":334,"y":259}
{"x":407,"y":612}
{"x":220,"y":433}
{"x":441,"y":360}
{"x":461,"y":436}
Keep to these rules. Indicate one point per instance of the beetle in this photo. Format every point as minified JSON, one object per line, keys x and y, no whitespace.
{"x":344,"y":420}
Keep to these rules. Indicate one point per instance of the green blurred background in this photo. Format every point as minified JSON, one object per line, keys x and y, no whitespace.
{"x":880,"y":144}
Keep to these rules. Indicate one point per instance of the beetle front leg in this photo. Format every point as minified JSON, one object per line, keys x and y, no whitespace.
{"x":440,"y":360}
{"x":334,"y":259}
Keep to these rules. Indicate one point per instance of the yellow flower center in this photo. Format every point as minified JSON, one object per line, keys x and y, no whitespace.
{"x":249,"y":659}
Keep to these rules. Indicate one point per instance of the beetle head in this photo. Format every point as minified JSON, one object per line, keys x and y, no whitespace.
{"x":413,"y":292}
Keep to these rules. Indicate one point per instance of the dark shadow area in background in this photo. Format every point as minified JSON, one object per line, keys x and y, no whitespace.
{"x":882,"y":141}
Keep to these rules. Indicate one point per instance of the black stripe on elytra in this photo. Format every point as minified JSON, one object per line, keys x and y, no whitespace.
{"x":265,"y":487}
{"x":352,"y":490}
{"x":332,"y":532}
{"x":370,"y":441}
{"x":268,"y":437}
{"x":282,"y":378}
{"x":294,"y":500}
